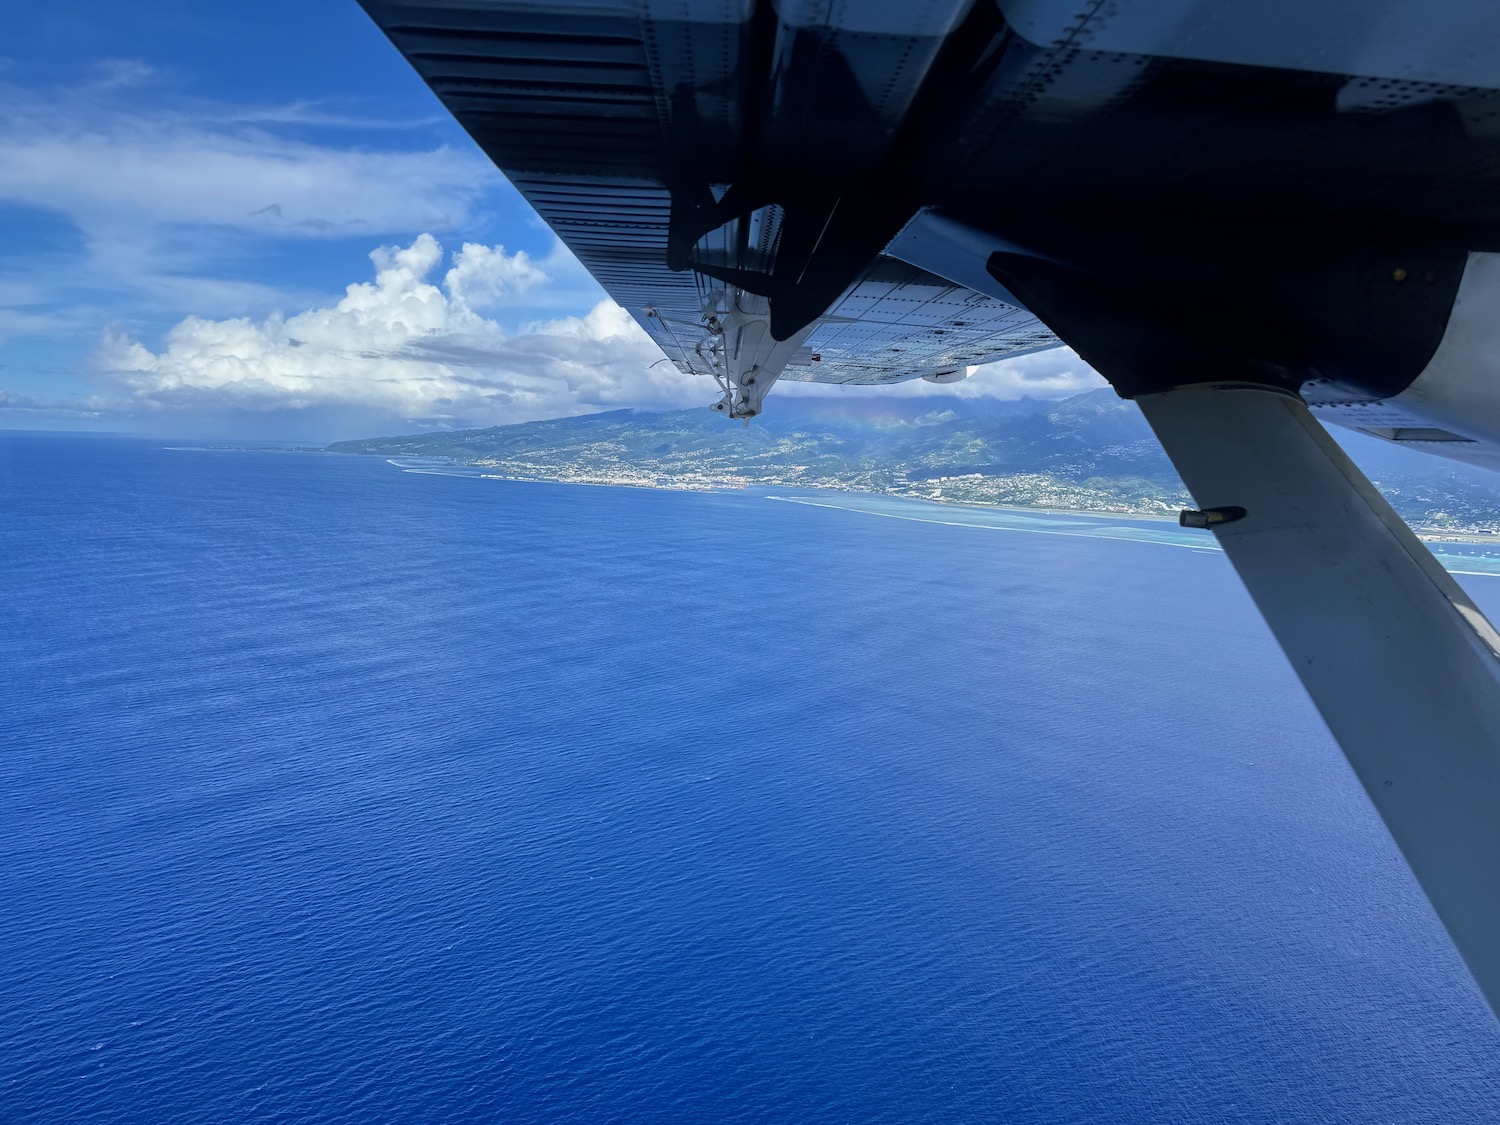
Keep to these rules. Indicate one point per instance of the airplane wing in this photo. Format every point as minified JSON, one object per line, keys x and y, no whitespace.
{"x":1238,"y":211}
{"x":640,"y":134}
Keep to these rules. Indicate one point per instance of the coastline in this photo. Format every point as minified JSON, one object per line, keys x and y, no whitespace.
{"x":663,"y":482}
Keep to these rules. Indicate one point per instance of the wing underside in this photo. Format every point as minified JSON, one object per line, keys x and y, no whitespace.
{"x":659,"y":105}
{"x":737,"y":174}
{"x":895,"y":322}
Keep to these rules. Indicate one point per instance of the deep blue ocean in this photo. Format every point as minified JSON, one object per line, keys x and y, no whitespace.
{"x":333,"y":792}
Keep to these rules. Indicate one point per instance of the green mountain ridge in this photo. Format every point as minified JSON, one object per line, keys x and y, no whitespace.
{"x":1090,"y":452}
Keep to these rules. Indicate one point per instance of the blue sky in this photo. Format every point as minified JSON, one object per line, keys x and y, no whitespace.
{"x":189,"y":190}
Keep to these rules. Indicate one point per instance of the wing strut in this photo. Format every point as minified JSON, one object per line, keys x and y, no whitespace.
{"x":1402,"y":665}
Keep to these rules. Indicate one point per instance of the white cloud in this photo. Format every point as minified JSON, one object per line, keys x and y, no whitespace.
{"x":410,"y":349}
{"x":1050,"y":374}
{"x":165,"y":207}
{"x":91,"y":155}
{"x":180,"y":174}
{"x":483,"y":275}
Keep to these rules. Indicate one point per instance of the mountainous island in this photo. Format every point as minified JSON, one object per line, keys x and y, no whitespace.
{"x":1092,"y":452}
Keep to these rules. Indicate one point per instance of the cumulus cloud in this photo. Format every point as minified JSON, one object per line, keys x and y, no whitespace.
{"x":484,"y":275}
{"x":409,"y":345}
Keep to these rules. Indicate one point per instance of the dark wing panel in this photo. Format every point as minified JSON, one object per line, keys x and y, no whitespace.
{"x":735,"y":171}
{"x":632,"y":129}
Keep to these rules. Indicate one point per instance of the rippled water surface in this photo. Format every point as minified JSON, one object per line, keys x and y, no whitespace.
{"x":335,"y":793}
